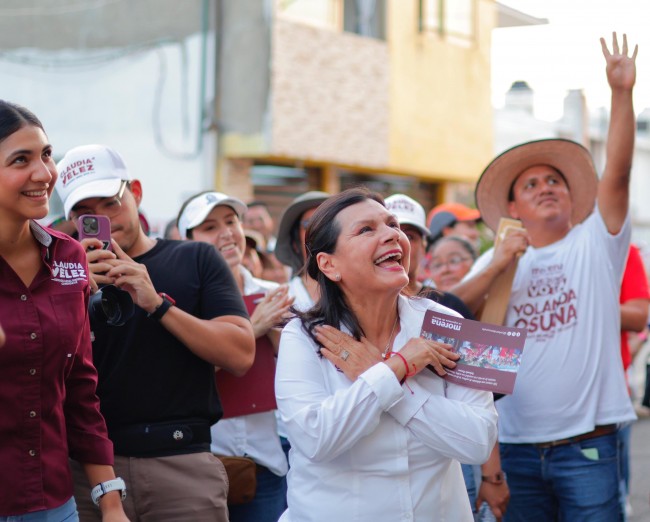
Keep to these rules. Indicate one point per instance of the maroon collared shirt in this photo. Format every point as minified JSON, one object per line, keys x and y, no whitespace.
{"x":49,"y":409}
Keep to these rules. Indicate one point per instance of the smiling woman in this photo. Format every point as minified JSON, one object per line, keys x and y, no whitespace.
{"x":354,"y":429}
{"x":46,"y":358}
{"x":246,"y":431}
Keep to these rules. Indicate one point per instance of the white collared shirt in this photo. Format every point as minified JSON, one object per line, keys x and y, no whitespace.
{"x":370,"y":450}
{"x":256,"y":435}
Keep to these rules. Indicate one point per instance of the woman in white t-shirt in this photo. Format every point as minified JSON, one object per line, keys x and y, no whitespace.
{"x":374,"y":434}
{"x":215,"y":218}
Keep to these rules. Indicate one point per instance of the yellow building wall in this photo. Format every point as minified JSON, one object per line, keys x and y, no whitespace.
{"x":440,"y":107}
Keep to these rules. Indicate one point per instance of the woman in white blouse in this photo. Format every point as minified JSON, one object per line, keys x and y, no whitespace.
{"x":375,"y":435}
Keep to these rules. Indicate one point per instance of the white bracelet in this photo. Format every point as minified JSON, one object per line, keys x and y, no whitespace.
{"x":106,"y":487}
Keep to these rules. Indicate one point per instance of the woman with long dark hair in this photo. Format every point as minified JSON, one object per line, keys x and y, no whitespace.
{"x":375,"y":434}
{"x":47,"y":380}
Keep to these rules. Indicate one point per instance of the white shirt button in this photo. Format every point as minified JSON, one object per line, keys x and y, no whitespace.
{"x":33,"y":336}
{"x":32,"y":453}
{"x":23,"y":297}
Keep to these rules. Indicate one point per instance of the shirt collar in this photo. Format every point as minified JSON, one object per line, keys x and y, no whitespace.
{"x":40,"y":234}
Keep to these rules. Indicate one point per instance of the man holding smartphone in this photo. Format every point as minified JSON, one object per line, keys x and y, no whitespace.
{"x":156,"y":372}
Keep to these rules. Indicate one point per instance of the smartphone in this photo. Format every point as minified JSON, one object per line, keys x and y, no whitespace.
{"x":95,"y":226}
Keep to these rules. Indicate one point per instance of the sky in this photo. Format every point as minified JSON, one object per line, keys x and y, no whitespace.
{"x":566,"y":54}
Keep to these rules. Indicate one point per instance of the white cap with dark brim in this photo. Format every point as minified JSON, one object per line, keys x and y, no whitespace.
{"x":198,"y":208}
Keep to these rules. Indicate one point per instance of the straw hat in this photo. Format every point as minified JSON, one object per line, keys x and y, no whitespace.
{"x":568,"y":157}
{"x":284,"y":250}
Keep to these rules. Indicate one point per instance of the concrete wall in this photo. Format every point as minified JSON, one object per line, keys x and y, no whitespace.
{"x":243,"y":67}
{"x":132,"y":102}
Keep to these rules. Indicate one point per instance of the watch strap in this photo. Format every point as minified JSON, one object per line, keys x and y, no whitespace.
{"x":117,"y":484}
{"x":496,"y":479}
{"x":167,"y":303}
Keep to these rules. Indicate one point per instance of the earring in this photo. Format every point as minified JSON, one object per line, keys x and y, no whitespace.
{"x":337,"y":277}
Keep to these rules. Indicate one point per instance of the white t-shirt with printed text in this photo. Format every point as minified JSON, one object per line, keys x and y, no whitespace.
{"x":566,"y":295}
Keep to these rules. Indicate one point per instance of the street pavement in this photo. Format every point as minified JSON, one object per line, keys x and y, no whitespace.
{"x":640,"y":471}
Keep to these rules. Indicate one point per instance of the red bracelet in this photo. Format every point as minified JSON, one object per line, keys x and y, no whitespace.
{"x":406,"y":365}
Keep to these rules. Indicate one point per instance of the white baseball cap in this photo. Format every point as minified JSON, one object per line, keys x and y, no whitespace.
{"x":89,"y":171}
{"x":198,"y":208}
{"x":408,"y":212}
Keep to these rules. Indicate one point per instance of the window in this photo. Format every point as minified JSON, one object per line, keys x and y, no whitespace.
{"x":451,"y":18}
{"x":320,"y":13}
{"x":362,"y":17}
{"x":365,"y":18}
{"x":278,"y":185}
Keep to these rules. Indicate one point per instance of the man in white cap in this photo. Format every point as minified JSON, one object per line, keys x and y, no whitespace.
{"x":156,"y":372}
{"x":558,"y":428}
{"x":411,"y":219}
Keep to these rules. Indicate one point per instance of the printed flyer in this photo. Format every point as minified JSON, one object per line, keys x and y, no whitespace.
{"x":489,"y":354}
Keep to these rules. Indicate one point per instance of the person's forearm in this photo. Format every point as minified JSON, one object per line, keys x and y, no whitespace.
{"x":473,"y":291}
{"x":493,"y":464}
{"x":634,"y":315}
{"x":613,"y":188}
{"x":97,"y":473}
{"x":494,"y":488}
{"x":621,"y":133}
{"x":227,"y":341}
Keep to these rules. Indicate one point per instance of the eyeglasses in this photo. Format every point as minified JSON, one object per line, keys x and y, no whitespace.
{"x":109,"y":207}
{"x":453,"y":262}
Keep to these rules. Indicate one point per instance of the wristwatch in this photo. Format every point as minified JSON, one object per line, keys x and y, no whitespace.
{"x":167,"y":303}
{"x":495,"y":479}
{"x":117,"y":484}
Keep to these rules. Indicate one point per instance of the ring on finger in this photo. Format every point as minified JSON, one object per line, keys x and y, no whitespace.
{"x":345,"y":354}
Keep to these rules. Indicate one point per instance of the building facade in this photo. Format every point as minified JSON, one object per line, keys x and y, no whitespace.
{"x":263,"y":98}
{"x":325,"y":94}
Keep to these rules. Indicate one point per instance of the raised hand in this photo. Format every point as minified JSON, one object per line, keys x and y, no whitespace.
{"x":621,"y":68}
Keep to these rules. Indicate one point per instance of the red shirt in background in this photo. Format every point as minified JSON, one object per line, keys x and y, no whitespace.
{"x":633,"y":286}
{"x":47,"y":379}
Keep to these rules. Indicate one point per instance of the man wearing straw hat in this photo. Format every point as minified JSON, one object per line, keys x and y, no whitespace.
{"x":558,"y":428}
